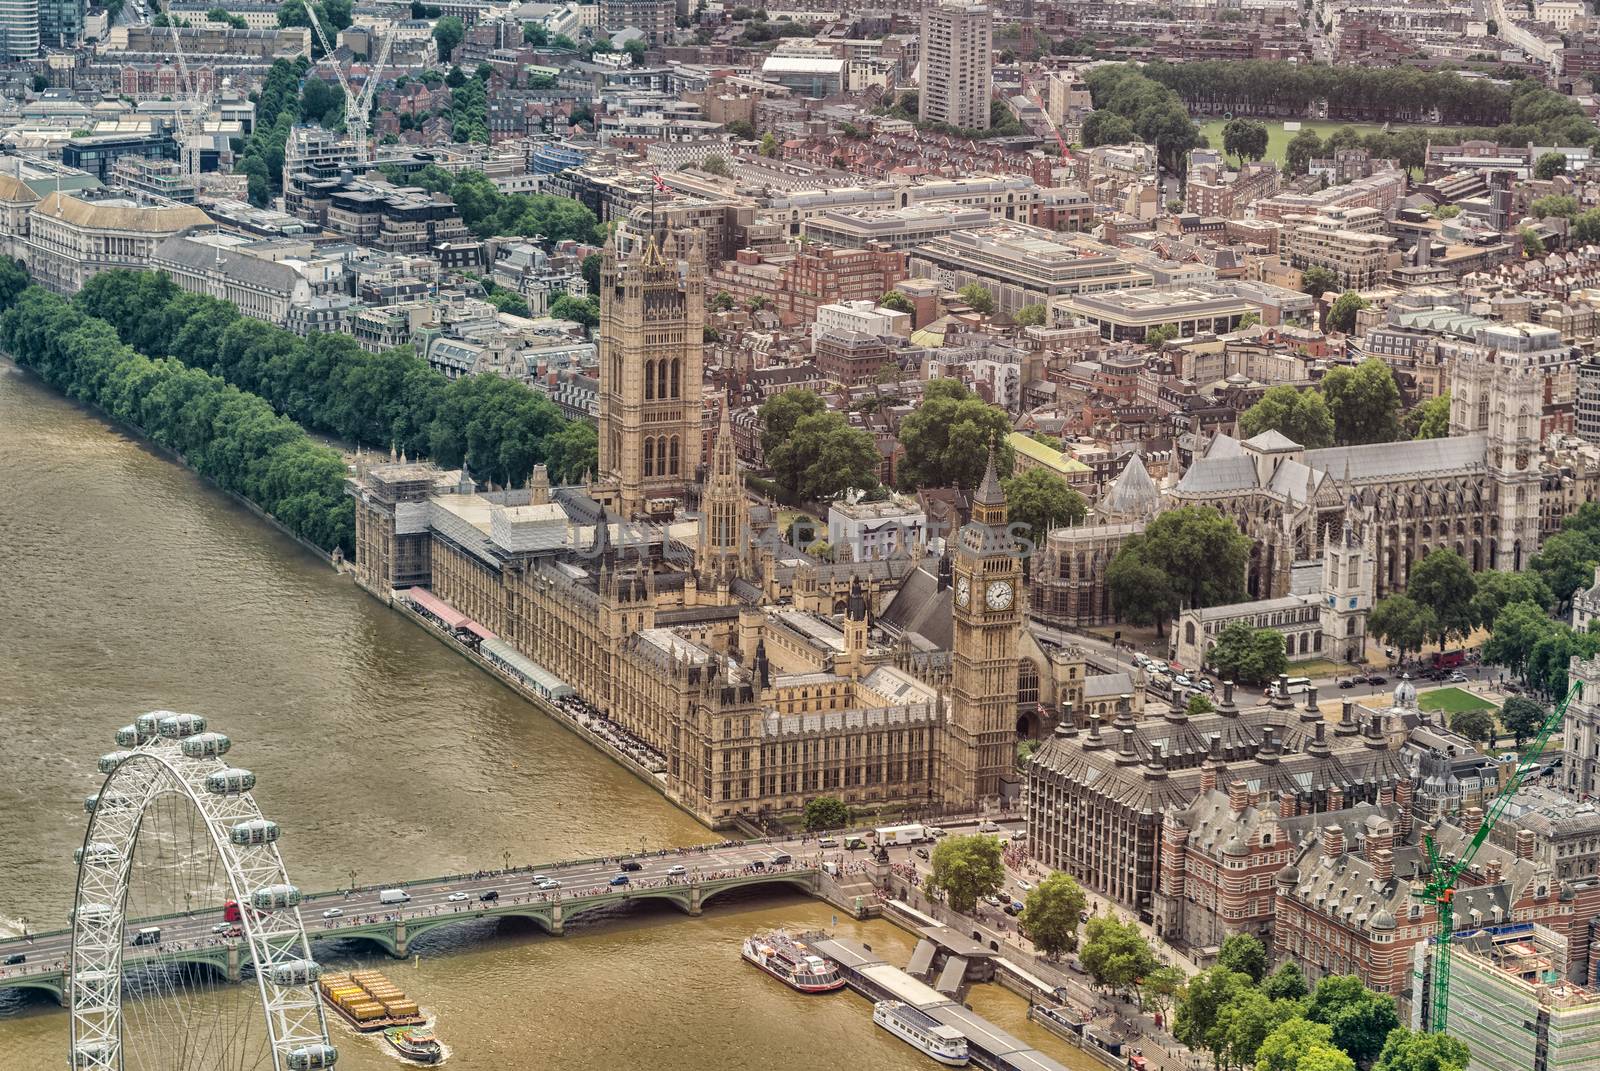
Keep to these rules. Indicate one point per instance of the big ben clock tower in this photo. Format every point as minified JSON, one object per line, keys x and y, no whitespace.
{"x":980,"y":741}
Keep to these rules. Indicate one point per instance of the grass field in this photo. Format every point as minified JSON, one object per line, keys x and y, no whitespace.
{"x":1278,"y":138}
{"x":1452,"y":700}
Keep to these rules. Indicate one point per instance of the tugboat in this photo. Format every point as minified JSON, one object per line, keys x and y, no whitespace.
{"x":923,"y":1032}
{"x":792,"y":962}
{"x":415,"y":1043}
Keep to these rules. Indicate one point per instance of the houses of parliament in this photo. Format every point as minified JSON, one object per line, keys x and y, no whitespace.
{"x":753,"y":676}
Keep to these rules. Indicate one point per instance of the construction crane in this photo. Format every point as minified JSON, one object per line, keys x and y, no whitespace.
{"x":357,"y":107}
{"x":188,"y":95}
{"x":1440,"y":888}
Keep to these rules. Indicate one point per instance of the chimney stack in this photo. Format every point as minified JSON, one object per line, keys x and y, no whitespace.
{"x":1492,"y":872}
{"x":1383,"y":866}
{"x":1286,"y":804}
{"x":1332,"y":842}
{"x":1311,"y":701}
{"x":1525,"y":841}
{"x":1238,"y":796}
{"x":1336,"y":798}
{"x":1385,"y":795}
{"x":1227,"y":697}
{"x":1380,"y":837}
{"x":1473,"y":819}
{"x":1404,"y":795}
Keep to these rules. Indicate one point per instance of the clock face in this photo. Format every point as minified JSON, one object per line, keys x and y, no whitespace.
{"x":963,"y":591}
{"x":999,"y":595}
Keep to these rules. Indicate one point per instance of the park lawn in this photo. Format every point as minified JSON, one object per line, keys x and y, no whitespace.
{"x":1278,"y":138}
{"x":1453,"y":701}
{"x":1317,"y":668}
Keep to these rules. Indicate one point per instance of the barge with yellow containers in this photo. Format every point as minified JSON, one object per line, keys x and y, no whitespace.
{"x":368,"y":1001}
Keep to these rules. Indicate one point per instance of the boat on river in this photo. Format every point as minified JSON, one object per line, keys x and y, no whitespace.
{"x":793,"y":962}
{"x":415,"y":1043}
{"x":922,"y":1031}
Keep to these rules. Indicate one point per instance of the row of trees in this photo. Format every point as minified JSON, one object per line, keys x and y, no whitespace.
{"x":278,"y":105}
{"x":1185,"y":559}
{"x":1444,"y":600}
{"x":328,"y":383}
{"x":1129,"y":106}
{"x":1383,"y":94}
{"x":231,"y":436}
{"x":1245,"y":1017}
{"x":1350,"y":406}
{"x":487,"y":211}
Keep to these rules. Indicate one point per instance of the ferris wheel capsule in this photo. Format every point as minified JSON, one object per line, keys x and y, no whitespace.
{"x":95,"y":915}
{"x":130,"y":736}
{"x":312,"y":1057}
{"x":255,"y":831}
{"x":93,"y":1054}
{"x":205,"y":745}
{"x":149,"y":725}
{"x":178,"y":726}
{"x":271,"y":897}
{"x":112,"y":759}
{"x":230,"y":782}
{"x":98,"y":978}
{"x":97,"y":854}
{"x":296,"y":972}
{"x":108,"y":801}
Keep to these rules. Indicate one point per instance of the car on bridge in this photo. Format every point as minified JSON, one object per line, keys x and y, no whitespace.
{"x":15,"y":958}
{"x":456,"y":897}
{"x":549,"y":883}
{"x":620,"y":879}
{"x":489,"y":897}
{"x":333,"y":913}
{"x":631,"y":865}
{"x":676,"y":869}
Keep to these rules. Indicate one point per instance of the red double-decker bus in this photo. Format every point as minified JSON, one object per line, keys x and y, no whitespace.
{"x":231,"y":912}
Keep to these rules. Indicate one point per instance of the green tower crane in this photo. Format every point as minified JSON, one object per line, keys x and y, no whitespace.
{"x":1440,"y":888}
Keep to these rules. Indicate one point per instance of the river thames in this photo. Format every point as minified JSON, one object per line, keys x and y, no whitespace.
{"x":132,"y":585}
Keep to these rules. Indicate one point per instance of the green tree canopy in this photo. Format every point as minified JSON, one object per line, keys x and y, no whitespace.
{"x":895,"y":301}
{"x":1041,"y":500}
{"x":1401,"y":622}
{"x":822,"y":457}
{"x":1243,"y":653}
{"x":1199,"y":1023}
{"x":1342,"y":317}
{"x":1476,"y":724}
{"x":1115,"y":953}
{"x":1412,"y":1050}
{"x":965,"y":868}
{"x":1302,"y":415}
{"x":1523,"y":717}
{"x":978,"y":296}
{"x":1159,"y":335}
{"x":585,"y":311}
{"x":1431,"y":419}
{"x":715,"y":164}
{"x":1202,"y":553}
{"x":1033,"y":315}
{"x":1442,"y":583}
{"x":1301,"y":150}
{"x":948,"y":437}
{"x":1361,"y":1019}
{"x":1245,"y":1023}
{"x":826,"y":812}
{"x":1532,"y":244}
{"x":448,"y":32}
{"x":1549,"y":165}
{"x":1297,"y":1045}
{"x":1554,"y":204}
{"x":1050,"y":914}
{"x":1318,"y":280}
{"x":1495,"y":590}
{"x":1245,"y":139}
{"x":1288,"y":982}
{"x":1566,"y":561}
{"x":1364,"y":401}
{"x":1246,"y":954}
{"x":781,"y":412}
{"x":1142,"y":591}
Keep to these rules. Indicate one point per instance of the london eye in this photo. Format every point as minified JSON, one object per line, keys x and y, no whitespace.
{"x":181,"y":889}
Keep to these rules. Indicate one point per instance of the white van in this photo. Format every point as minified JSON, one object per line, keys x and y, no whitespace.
{"x":393,"y":896}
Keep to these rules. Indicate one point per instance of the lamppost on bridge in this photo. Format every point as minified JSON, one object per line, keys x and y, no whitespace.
{"x":23,"y":919}
{"x":505,"y":857}
{"x":188,"y":903}
{"x":352,"y":874}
